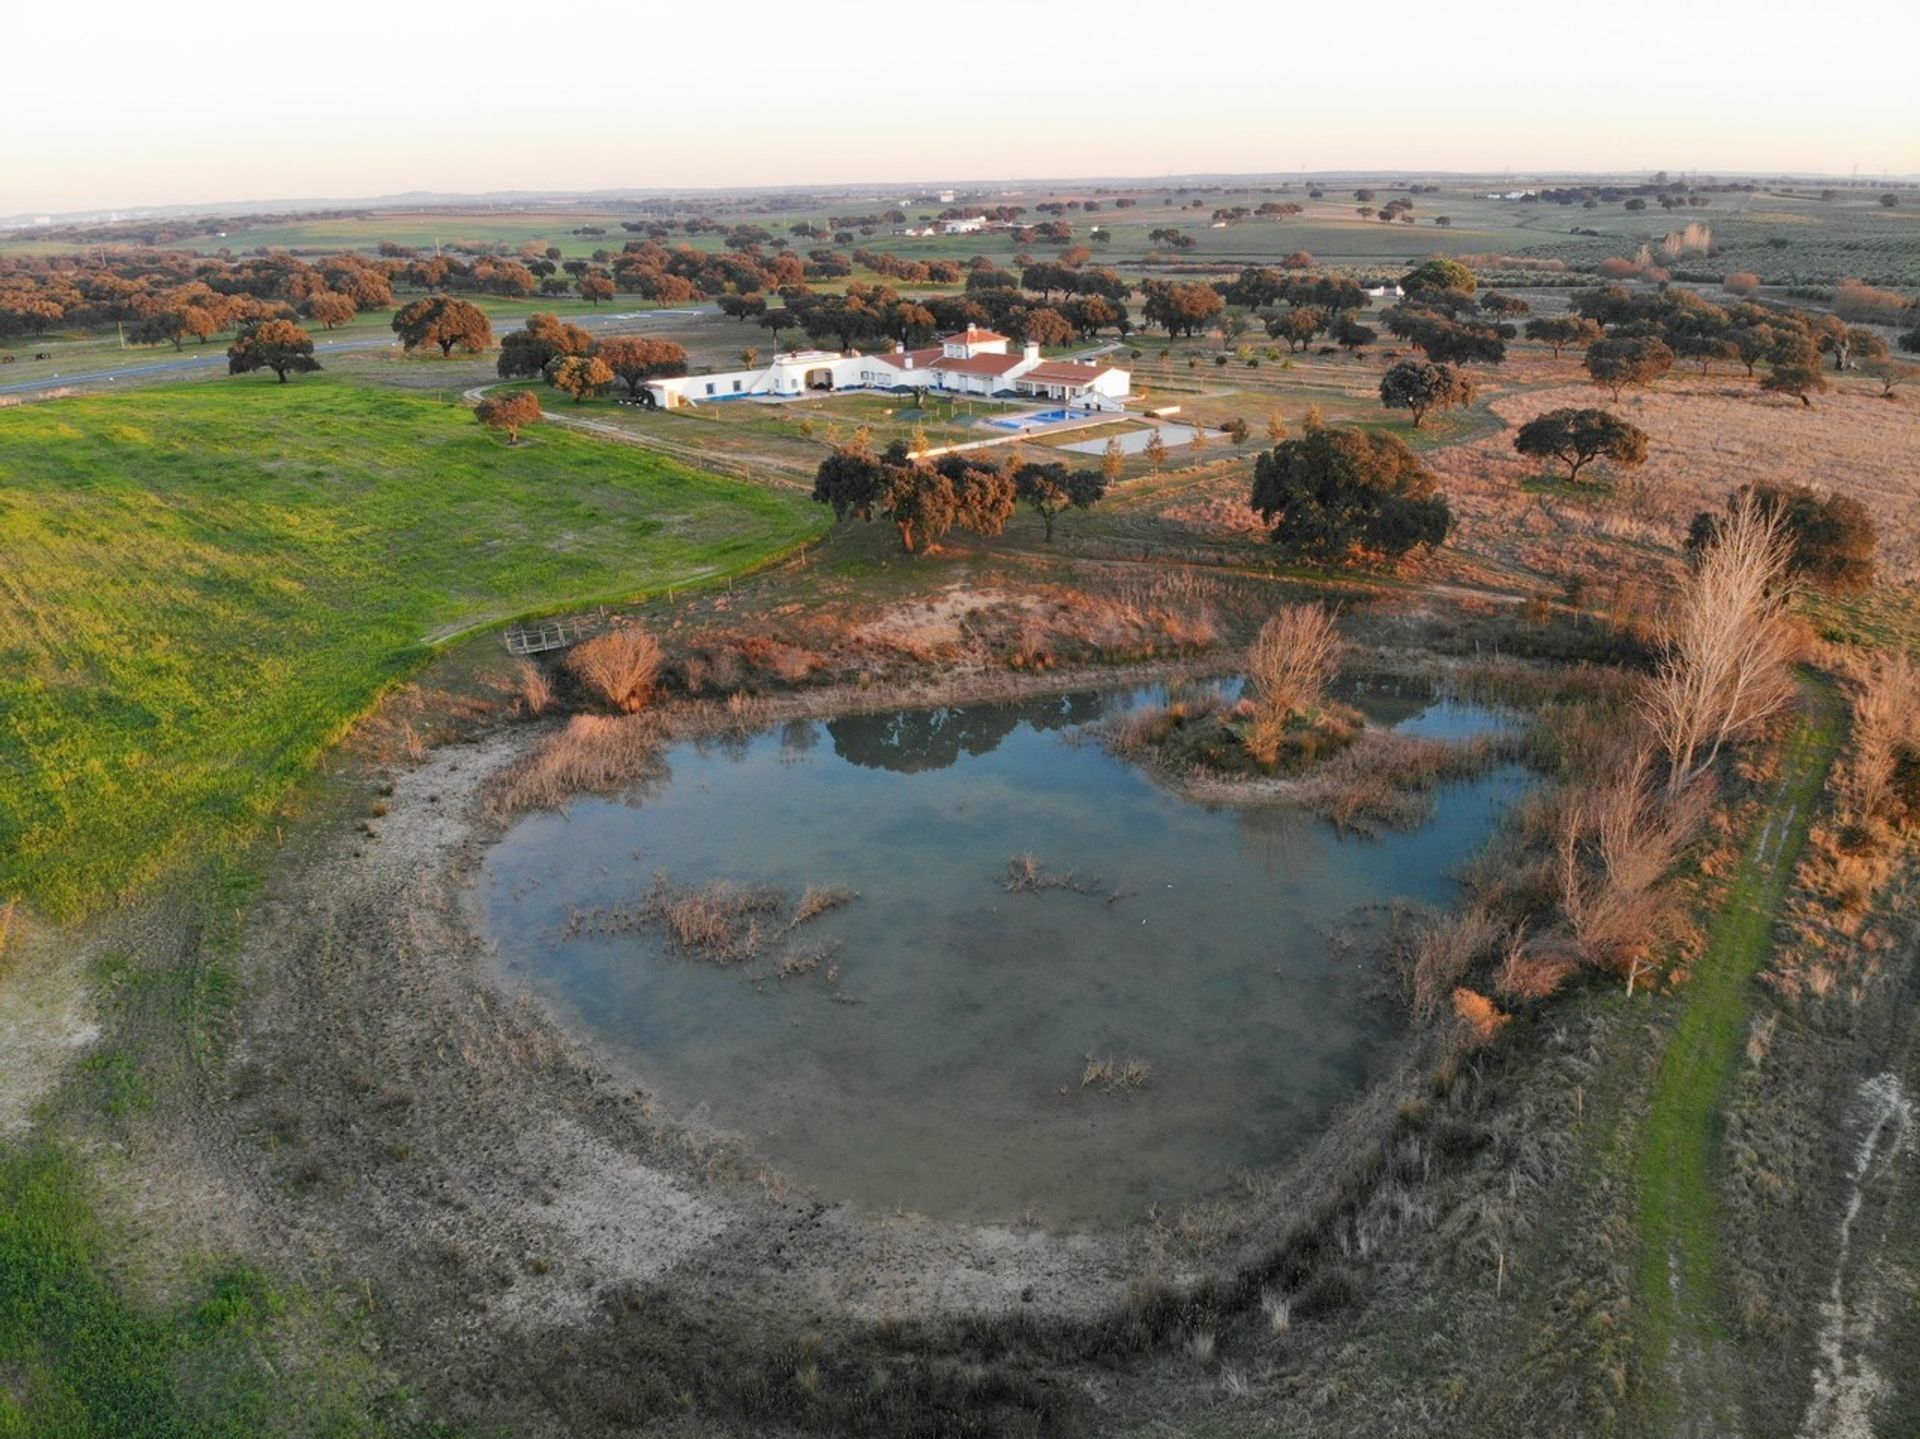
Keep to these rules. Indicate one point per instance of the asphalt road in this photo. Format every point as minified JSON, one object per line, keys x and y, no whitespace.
{"x":216,"y":358}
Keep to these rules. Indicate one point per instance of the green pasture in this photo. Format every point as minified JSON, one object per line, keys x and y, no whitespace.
{"x":201,"y":586}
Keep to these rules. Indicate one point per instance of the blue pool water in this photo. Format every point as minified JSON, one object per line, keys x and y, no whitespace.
{"x":1045,"y":417}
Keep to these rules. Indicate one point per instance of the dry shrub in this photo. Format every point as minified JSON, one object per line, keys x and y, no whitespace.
{"x":721,"y":922}
{"x":1618,"y":843}
{"x":1534,"y":970}
{"x":1228,"y":514}
{"x":818,"y":899}
{"x":593,"y":753}
{"x":1858,"y":848}
{"x":1480,"y":1016}
{"x":1189,"y":629}
{"x":788,"y":663}
{"x":726,"y":923}
{"x":1115,"y":1076}
{"x":1135,"y":731}
{"x":532,"y":688}
{"x":620,"y":667}
{"x":1861,"y":304}
{"x":1741,"y":282}
{"x":1443,"y":951}
{"x":1877,"y":781}
{"x":1385,"y":780}
{"x":7,"y":909}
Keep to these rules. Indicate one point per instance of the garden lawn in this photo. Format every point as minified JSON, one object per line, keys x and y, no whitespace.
{"x":201,"y":586}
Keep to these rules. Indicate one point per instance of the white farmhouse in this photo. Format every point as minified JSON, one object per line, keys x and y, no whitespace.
{"x":972,"y":362}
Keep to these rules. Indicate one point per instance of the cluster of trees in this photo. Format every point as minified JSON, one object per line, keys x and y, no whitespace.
{"x":927,"y":499}
{"x":1092,"y":299}
{"x":171,"y":298}
{"x":1441,"y":315}
{"x":1261,"y":288}
{"x":1648,"y":331}
{"x":574,"y":362}
{"x":1180,"y":307}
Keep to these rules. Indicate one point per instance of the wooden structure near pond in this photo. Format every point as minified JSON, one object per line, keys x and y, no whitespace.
{"x":544,"y":635}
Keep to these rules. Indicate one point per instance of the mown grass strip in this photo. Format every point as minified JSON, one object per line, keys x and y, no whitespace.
{"x":1678,"y":1222}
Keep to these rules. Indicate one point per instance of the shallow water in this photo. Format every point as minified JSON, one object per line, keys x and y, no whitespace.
{"x":939,"y":1071}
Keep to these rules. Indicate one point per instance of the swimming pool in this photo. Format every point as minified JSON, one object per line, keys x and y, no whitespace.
{"x":1044,"y":417}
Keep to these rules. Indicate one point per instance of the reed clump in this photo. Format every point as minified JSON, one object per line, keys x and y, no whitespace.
{"x":592,"y":754}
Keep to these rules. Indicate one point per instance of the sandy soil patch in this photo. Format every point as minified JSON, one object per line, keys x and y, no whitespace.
{"x":47,"y":1019}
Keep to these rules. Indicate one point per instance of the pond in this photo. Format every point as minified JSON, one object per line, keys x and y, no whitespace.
{"x":929,"y":1048}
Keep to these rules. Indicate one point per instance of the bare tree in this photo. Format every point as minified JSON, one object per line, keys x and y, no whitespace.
{"x":1288,"y":666}
{"x":1728,"y":646}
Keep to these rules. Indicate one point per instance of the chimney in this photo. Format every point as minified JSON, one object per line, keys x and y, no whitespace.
{"x":898,"y":347}
{"x":1031,"y":354}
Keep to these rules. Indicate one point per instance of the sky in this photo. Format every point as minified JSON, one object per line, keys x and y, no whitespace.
{"x":136,"y":104}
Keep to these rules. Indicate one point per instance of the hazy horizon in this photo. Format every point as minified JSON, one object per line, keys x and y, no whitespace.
{"x":829,"y":99}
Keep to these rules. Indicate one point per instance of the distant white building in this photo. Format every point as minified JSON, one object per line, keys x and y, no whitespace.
{"x":972,"y":362}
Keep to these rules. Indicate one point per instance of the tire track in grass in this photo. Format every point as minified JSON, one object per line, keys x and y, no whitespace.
{"x":1677,"y":1279}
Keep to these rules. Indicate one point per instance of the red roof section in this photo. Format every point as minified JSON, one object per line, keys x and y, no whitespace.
{"x":1065,"y":372}
{"x":921,"y":359}
{"x":971,"y":336}
{"x":981,"y":364}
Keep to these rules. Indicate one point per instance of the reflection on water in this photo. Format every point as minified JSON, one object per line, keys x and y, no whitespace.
{"x":940,"y":1068}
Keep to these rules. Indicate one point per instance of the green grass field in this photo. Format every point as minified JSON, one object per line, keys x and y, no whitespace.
{"x":202,"y":585}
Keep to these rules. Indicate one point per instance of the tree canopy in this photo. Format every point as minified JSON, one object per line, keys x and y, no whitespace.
{"x":635,"y":359}
{"x":1438,"y":274}
{"x":1559,"y":331}
{"x":579,"y":376}
{"x":1803,"y":382}
{"x":1577,"y":437}
{"x":1335,"y":494}
{"x":1051,"y":488}
{"x":1832,"y":539}
{"x":543,"y":339}
{"x":1419,"y":386}
{"x":444,"y":321}
{"x":277,"y":345}
{"x":1628,"y":362}
{"x":511,"y":412}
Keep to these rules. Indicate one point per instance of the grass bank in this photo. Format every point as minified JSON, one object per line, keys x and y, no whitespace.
{"x":1676,"y":1280}
{"x":201,"y":586}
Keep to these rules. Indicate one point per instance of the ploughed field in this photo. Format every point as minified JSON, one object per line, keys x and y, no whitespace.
{"x":964,"y":962}
{"x":200,"y":586}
